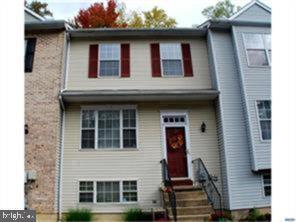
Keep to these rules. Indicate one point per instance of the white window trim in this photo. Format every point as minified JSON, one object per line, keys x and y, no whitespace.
{"x":110,"y":107}
{"x":99,"y":62}
{"x":263,"y":186}
{"x":265,"y":50}
{"x":94,"y":188}
{"x":186,"y":125}
{"x":120,"y":180}
{"x":258,"y":120}
{"x":161,"y":66}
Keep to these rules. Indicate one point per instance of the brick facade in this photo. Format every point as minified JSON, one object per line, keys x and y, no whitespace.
{"x":42,"y":115}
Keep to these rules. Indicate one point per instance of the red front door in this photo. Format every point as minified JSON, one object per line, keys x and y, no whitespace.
{"x":176,"y":151}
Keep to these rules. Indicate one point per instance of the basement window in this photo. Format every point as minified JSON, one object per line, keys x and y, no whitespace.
{"x":108,"y":191}
{"x":86,"y":191}
{"x":267,"y":184}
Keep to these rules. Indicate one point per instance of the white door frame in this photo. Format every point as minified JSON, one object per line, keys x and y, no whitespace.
{"x":185,"y":124}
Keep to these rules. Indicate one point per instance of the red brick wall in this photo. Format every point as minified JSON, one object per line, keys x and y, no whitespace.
{"x":42,"y":114}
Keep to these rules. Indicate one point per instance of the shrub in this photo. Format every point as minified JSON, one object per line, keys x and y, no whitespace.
{"x":136,"y":214}
{"x":221,"y":216}
{"x":79,"y":215}
{"x":254,"y":215}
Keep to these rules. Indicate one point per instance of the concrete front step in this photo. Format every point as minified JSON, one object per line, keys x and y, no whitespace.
{"x":195,"y":218}
{"x":186,"y":188}
{"x":190,"y":202}
{"x":197,"y":210}
{"x":194,"y":194}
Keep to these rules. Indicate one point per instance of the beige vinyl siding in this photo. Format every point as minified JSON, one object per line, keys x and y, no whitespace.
{"x":142,"y":164}
{"x":140,"y":66}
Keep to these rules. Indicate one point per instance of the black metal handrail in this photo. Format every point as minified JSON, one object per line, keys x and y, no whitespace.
{"x":205,"y":179}
{"x":167,"y":181}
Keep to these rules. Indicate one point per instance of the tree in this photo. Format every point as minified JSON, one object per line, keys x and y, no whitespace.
{"x":155,"y":18}
{"x":223,"y":9}
{"x":39,"y":7}
{"x":97,"y":16}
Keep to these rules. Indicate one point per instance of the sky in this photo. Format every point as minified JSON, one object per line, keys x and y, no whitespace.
{"x":186,"y":12}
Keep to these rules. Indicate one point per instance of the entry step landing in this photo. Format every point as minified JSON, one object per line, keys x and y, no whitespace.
{"x":192,"y":202}
{"x":182,"y":182}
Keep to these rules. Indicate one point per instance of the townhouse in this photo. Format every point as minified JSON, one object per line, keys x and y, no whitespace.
{"x":240,"y":55}
{"x":44,"y":55}
{"x":115,"y":115}
{"x":136,"y":96}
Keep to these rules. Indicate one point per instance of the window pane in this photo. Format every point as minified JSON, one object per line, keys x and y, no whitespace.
{"x":170,"y":51}
{"x":86,"y":186}
{"x":108,"y":192}
{"x":109,"y":68}
{"x":172,"y":67}
{"x":265,"y":129}
{"x":264,"y":109}
{"x":129,"y":196}
{"x":129,"y":138}
{"x":129,"y":118}
{"x":267,"y":191}
{"x":129,"y":185}
{"x":87,"y":139}
{"x":88,"y":119}
{"x":109,"y":51}
{"x":86,"y":197}
{"x":108,"y":129}
{"x":253,"y":41}
{"x":257,"y":57}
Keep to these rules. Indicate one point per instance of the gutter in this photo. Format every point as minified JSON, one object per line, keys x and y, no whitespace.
{"x":46,"y":25}
{"x":137,"y":33}
{"x":227,"y":24}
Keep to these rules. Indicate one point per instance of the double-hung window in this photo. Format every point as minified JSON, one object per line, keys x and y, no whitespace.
{"x":258,"y":49}
{"x":267,"y":184}
{"x":30,"y":45}
{"x":109,"y":128}
{"x":88,"y":129}
{"x":86,"y":191}
{"x":109,"y":55}
{"x":129,"y":191}
{"x":264,"y":115}
{"x":171,"y":59}
{"x":108,"y":191}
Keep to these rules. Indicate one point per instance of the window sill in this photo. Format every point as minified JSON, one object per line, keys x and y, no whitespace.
{"x":108,"y":150}
{"x":265,"y":141}
{"x":110,"y":203}
{"x":173,"y":76}
{"x":250,"y":66}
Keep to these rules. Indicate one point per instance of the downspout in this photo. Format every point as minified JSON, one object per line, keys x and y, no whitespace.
{"x":62,"y":129}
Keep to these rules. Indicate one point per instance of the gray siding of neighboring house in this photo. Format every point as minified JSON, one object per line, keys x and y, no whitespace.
{"x":255,"y":13}
{"x":256,"y":82}
{"x":30,"y":18}
{"x":212,"y":70}
{"x":244,"y":188}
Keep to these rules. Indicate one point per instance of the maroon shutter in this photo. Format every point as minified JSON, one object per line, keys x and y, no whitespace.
{"x":187,"y":62}
{"x":125,"y":60}
{"x":155,"y":60}
{"x":93,"y":61}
